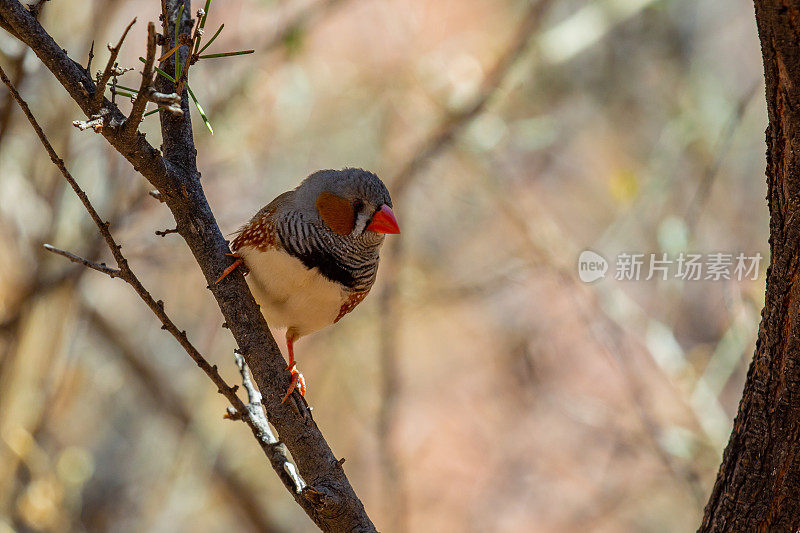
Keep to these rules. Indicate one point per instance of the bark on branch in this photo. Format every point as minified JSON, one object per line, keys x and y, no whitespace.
{"x":329,"y":498}
{"x":759,"y":480}
{"x":142,"y":96}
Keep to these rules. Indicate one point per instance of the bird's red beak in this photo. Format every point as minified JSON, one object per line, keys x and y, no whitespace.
{"x":384,"y":222}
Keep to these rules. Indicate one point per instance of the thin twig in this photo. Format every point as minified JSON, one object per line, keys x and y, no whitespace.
{"x":132,"y":124}
{"x":164,"y":233}
{"x":91,"y":57}
{"x":116,"y":250}
{"x":184,"y":76}
{"x":100,"y":267}
{"x":40,"y":285}
{"x":106,"y":75}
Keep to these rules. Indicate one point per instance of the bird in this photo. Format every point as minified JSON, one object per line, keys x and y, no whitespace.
{"x":312,"y":253}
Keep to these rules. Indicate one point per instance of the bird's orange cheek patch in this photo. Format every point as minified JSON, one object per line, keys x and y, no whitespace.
{"x":336,"y":212}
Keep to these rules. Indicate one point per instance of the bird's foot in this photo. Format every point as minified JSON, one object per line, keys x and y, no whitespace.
{"x":298,"y":381}
{"x":236,"y":264}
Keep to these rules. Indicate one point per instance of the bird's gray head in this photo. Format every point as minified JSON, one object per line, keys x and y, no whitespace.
{"x":352,"y":203}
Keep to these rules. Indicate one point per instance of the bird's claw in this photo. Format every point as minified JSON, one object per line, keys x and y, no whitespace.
{"x":298,"y":382}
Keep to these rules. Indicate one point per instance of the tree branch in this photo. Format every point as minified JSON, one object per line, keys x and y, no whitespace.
{"x":184,"y":76}
{"x":140,"y":103}
{"x":100,"y":267}
{"x":110,"y":66}
{"x":10,"y":29}
{"x":329,"y":499}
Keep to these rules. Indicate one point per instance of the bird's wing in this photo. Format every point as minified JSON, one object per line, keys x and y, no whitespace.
{"x":261,"y":231}
{"x":350,"y":303}
{"x":278,"y":202}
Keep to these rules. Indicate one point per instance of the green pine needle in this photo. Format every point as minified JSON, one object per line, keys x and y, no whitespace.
{"x":118,"y":86}
{"x":212,"y":40}
{"x":177,"y":29}
{"x":227,"y":54}
{"x":177,"y":68}
{"x":200,"y":109}
{"x":170,"y":78}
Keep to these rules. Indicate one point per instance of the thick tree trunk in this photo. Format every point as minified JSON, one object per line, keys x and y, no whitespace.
{"x":758,"y":485}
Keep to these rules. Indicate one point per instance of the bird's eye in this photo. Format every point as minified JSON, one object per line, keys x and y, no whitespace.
{"x":358,"y":205}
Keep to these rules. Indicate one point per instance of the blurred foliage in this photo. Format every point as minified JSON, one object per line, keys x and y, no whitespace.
{"x":525,"y":400}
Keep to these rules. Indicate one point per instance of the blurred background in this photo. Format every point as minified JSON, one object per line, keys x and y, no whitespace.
{"x":482,"y":386}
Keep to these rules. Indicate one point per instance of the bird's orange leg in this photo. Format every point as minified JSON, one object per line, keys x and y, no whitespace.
{"x":297,"y":378}
{"x":236,"y":264}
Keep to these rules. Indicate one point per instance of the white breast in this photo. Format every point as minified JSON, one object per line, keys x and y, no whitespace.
{"x":291,"y":295}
